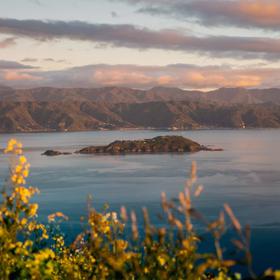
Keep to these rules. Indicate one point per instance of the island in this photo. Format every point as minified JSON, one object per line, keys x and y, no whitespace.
{"x":54,"y":153}
{"x":159,"y":144}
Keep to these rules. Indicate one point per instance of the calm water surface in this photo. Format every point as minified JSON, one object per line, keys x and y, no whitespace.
{"x":246,"y":175}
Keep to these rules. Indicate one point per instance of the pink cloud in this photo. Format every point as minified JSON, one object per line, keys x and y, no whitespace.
{"x":136,"y":76}
{"x":7,"y":42}
{"x":165,"y":80}
{"x":243,"y":13}
{"x":120,"y":77}
{"x":188,"y":76}
{"x":262,"y":12}
{"x":12,"y":75}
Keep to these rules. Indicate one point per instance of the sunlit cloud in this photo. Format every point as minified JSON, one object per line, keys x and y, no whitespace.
{"x":178,"y":75}
{"x":264,"y":14}
{"x":19,"y":76}
{"x":8,"y":42}
{"x":12,"y":71}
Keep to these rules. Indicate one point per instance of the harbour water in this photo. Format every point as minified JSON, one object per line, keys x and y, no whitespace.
{"x":246,"y":175}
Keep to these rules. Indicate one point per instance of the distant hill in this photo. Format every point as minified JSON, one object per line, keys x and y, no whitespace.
{"x":54,"y":109}
{"x":244,"y":96}
{"x":128,"y":95}
{"x":106,"y":94}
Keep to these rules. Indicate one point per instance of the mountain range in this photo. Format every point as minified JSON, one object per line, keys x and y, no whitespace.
{"x":74,"y":109}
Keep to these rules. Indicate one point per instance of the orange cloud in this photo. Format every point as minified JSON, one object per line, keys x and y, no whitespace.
{"x":247,"y":81}
{"x":165,"y":80}
{"x":7,"y":42}
{"x":207,"y":79}
{"x":120,"y":77}
{"x":19,"y":76}
{"x":202,"y":77}
{"x":242,"y":13}
{"x":263,"y":11}
{"x":177,"y":75}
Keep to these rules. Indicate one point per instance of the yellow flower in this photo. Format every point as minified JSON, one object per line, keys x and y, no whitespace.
{"x":20,"y":180}
{"x":23,"y":221}
{"x":106,"y":229}
{"x":161,"y":260}
{"x":146,"y":270}
{"x":14,"y":147}
{"x":10,"y":146}
{"x":44,"y":255}
{"x":14,"y":178}
{"x":22,"y":160}
{"x":23,"y":193}
{"x":18,"y":168}
{"x":31,"y":226}
{"x":277,"y":274}
{"x":121,"y":245}
{"x":45,"y":236}
{"x":25,"y":173}
{"x":33,"y":209}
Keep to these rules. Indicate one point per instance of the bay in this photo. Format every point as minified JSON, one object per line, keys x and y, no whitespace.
{"x":246,"y":175}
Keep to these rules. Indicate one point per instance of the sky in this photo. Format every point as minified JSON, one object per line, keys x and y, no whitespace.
{"x":191,"y":44}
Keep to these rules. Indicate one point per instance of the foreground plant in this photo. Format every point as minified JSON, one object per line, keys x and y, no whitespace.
{"x":32,"y":250}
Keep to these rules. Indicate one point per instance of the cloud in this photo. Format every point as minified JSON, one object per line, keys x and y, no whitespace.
{"x":8,"y":42}
{"x":177,"y":75}
{"x":6,"y":64}
{"x":114,"y":14}
{"x":29,"y":59}
{"x":37,"y":2}
{"x":49,"y":59}
{"x":14,"y":72}
{"x":241,"y":13}
{"x":12,"y":75}
{"x":131,"y":36}
{"x":185,"y":76}
{"x":263,"y":14}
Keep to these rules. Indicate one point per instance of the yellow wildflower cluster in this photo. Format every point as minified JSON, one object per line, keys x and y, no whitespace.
{"x":24,"y":194}
{"x":20,"y":171}
{"x":14,"y":147}
{"x":40,"y":229}
{"x":41,"y":265}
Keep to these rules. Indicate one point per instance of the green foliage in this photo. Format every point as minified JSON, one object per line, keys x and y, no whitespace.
{"x":32,"y":250}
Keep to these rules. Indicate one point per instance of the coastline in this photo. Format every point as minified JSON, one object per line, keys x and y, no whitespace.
{"x":140,"y":129}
